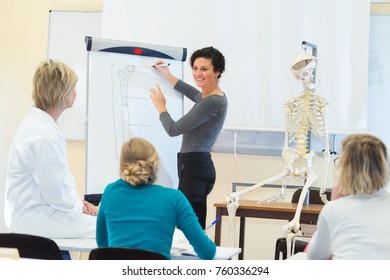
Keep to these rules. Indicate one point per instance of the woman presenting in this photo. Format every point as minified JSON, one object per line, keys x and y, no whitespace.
{"x":199,"y":127}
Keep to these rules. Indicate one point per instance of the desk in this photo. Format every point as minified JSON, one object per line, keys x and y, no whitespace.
{"x":298,"y":257}
{"x":271,"y":210}
{"x":86,"y":245}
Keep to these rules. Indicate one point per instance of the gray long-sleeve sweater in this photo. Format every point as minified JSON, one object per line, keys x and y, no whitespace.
{"x":202,"y":124}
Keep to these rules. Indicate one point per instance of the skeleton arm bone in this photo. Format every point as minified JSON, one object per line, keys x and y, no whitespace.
{"x":288,"y":153}
{"x":287,"y":112}
{"x":320,"y":129}
{"x":324,"y":183}
{"x":327,"y":161}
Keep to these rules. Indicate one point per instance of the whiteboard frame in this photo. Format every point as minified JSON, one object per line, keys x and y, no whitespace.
{"x":104,"y":60}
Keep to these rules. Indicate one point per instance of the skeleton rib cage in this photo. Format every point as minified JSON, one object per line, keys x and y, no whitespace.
{"x":306,"y":113}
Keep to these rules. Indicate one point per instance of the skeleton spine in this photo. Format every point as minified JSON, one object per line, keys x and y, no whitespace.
{"x":301,"y":142}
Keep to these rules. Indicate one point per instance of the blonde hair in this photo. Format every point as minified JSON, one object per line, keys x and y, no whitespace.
{"x":52,"y":82}
{"x":364,"y":165}
{"x":138,"y":163}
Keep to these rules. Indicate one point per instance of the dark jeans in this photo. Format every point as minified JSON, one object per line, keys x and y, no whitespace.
{"x":196,"y":180}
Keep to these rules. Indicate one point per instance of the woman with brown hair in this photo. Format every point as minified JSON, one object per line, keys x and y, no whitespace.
{"x":199,"y":127}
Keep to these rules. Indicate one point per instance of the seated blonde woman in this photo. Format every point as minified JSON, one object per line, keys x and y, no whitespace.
{"x":40,"y":191}
{"x":356,"y":223}
{"x":136,"y":213}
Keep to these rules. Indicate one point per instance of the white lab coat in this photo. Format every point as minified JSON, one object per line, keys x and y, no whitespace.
{"x":41,"y":196}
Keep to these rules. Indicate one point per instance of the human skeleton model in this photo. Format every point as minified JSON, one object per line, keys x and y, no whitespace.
{"x":303,"y":114}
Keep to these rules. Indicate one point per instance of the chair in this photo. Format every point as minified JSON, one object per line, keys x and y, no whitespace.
{"x":121,"y":253}
{"x":300,"y":245}
{"x":93,"y":198}
{"x":31,"y":246}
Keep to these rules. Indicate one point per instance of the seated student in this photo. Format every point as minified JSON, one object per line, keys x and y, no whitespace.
{"x":356,"y":223}
{"x":136,"y":213}
{"x":40,"y":193}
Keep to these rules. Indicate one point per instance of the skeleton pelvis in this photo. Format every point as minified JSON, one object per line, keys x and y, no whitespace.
{"x":297,"y":165}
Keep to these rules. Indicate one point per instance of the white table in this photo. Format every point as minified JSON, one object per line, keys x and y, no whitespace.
{"x":177,"y":253}
{"x":298,"y":256}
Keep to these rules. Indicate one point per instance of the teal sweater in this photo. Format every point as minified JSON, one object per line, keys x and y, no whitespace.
{"x":145,"y":217}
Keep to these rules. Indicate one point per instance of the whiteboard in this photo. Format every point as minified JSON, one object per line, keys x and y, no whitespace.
{"x":67,"y":30}
{"x":119,"y":107}
{"x":260,"y":40}
{"x":378,"y":81}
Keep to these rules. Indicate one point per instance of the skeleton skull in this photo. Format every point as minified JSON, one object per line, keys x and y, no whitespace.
{"x":303,"y":68}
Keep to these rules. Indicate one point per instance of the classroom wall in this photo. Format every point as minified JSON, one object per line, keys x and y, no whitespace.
{"x":23,"y":33}
{"x":382,"y":8}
